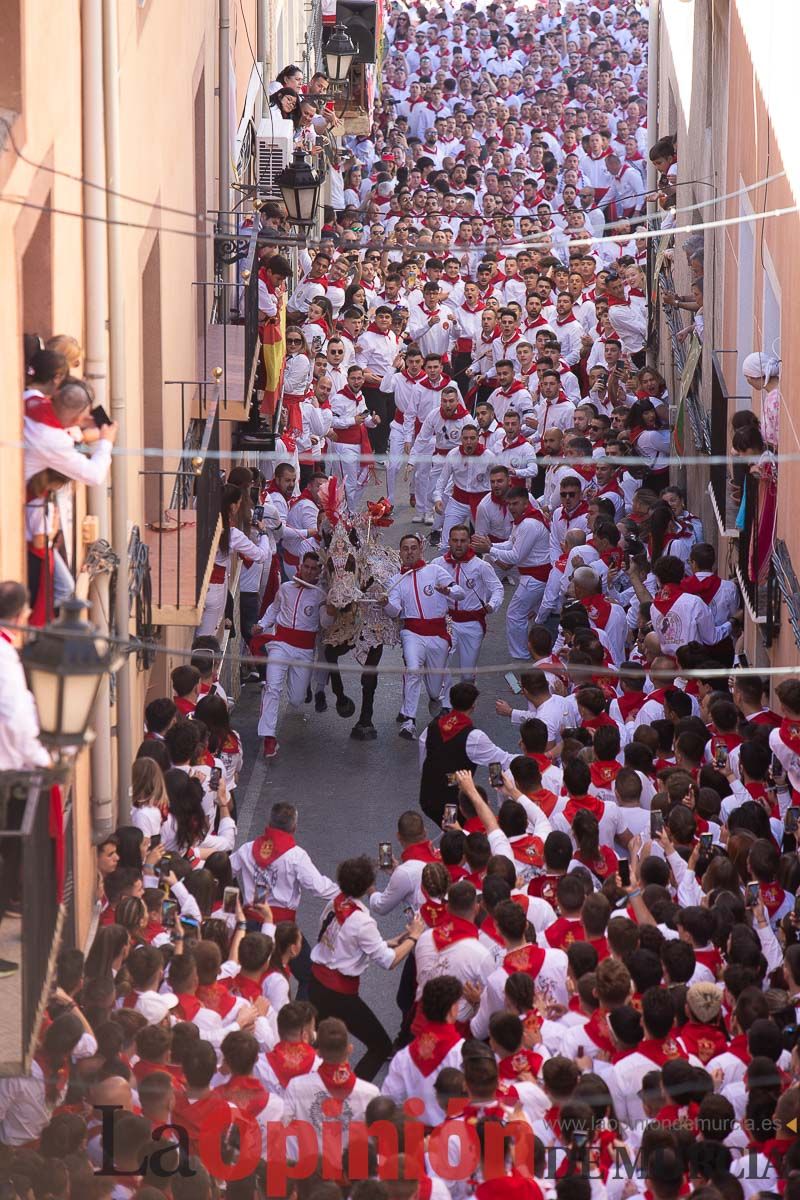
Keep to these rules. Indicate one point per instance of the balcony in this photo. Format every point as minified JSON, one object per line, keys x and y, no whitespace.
{"x":723,"y":504}
{"x":182,"y":542}
{"x":34,"y":940}
{"x":760,"y":592}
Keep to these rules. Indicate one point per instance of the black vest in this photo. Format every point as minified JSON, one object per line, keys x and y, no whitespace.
{"x":442,"y":758}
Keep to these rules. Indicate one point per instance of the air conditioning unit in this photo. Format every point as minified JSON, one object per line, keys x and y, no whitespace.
{"x":274,"y":143}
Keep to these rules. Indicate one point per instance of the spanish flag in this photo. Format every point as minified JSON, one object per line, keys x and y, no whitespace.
{"x":273,"y":348}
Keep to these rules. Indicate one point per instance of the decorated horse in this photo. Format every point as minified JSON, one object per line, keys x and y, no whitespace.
{"x":358,"y":567}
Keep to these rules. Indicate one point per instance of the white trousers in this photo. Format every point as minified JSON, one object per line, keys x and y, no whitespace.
{"x":423,"y":654}
{"x":522,"y":606}
{"x":455,"y":513}
{"x":216,"y":596}
{"x":426,"y":477}
{"x":467,"y":641}
{"x":296,"y":678}
{"x":352,"y":473}
{"x":396,"y":460}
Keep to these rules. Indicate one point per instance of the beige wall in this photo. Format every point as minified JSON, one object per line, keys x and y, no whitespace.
{"x":169,"y":133}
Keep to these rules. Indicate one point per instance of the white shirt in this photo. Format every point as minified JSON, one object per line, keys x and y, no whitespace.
{"x":413,"y":594}
{"x":551,"y":982}
{"x":404,"y":1080}
{"x":20,"y":748}
{"x":353,"y":945}
{"x":305,"y":1095}
{"x":468,"y":472}
{"x":484,"y":591}
{"x":493,"y":520}
{"x":286,"y":878}
{"x":468,"y":960}
{"x":376,"y":351}
{"x":527,"y":546}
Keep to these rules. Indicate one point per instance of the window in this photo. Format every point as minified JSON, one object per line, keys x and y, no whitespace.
{"x":744,"y":301}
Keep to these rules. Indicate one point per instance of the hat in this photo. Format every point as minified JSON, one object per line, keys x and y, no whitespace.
{"x":704,"y":1001}
{"x":155,"y":1006}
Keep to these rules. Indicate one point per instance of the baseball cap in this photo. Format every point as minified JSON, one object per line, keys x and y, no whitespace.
{"x":155,"y":1006}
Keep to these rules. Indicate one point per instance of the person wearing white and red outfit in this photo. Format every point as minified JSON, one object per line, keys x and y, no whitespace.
{"x":237,"y":1085}
{"x":484,"y":595}
{"x":516,"y":452}
{"x":493,"y":521}
{"x":463,"y":480}
{"x":352,"y":448}
{"x":657,"y":1047}
{"x":440,"y":433}
{"x":721,"y":595}
{"x":376,"y":350}
{"x":436,"y":1046}
{"x":609,"y":620}
{"x":677,"y":616}
{"x":432,"y":326}
{"x":405,"y":881}
{"x":628,"y":315}
{"x":232,"y":542}
{"x":297,"y":613}
{"x":420,"y":594}
{"x":555,"y":409}
{"x":349,"y":941}
{"x":512,"y":394}
{"x":332,"y":1084}
{"x":568,"y":329}
{"x":403,"y":381}
{"x":504,"y":346}
{"x":547,"y":967}
{"x":452,"y":947}
{"x":468,"y":326}
{"x":275,"y":866}
{"x":527,"y":549}
{"x":594,"y":166}
{"x":572,"y":513}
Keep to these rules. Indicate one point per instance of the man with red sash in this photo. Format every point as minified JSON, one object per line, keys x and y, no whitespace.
{"x":331,"y":1088}
{"x":297,"y":614}
{"x":463,"y":480}
{"x":677,"y":616}
{"x":349,"y":941}
{"x":512,"y":394}
{"x":452,"y":947}
{"x":403,"y":381}
{"x":657,"y":1047}
{"x":405,"y":881}
{"x":351,"y":420}
{"x":241,"y":1088}
{"x":527,"y":549}
{"x":439,"y":433}
{"x":493,"y":521}
{"x":613,"y":988}
{"x":484,"y":595}
{"x":437,"y":1045}
{"x":420,"y":595}
{"x":547,"y":967}
{"x":516,"y":452}
{"x":293,"y":1054}
{"x":375,"y":352}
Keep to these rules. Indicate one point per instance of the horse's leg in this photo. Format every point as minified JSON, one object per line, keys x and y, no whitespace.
{"x":364,"y":730}
{"x":344,"y":705}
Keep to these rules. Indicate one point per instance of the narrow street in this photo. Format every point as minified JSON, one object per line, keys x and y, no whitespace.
{"x":318,"y":761}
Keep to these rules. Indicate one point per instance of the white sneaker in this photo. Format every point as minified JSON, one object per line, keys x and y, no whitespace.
{"x":408,"y":730}
{"x":418,"y":518}
{"x":428,"y":519}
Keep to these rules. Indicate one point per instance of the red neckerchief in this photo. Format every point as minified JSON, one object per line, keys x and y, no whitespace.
{"x":605,"y":864}
{"x":738,"y":1047}
{"x":577,"y":804}
{"x":338,"y":1078}
{"x":566,"y":320}
{"x":217,"y":997}
{"x":304,"y":495}
{"x":290,"y":1059}
{"x":432,"y":911}
{"x":490,"y":930}
{"x":789,"y":733}
{"x":451,"y":930}
{"x":144,"y":1067}
{"x":250,"y":989}
{"x":344,"y":907}
{"x":659,"y":1050}
{"x":246,"y":1093}
{"x":515,"y":386}
{"x":413,"y":378}
{"x":597,"y":1029}
{"x":599,"y":721}
{"x":272,"y":845}
{"x":563,"y":932}
{"x":604,"y":773}
{"x":453,"y":723}
{"x":373,"y":328}
{"x":530,"y":511}
{"x":351,"y":395}
{"x":55,"y":1078}
{"x":514,"y":1066}
{"x":40,"y":409}
{"x":448,"y":558}
{"x":457,"y":415}
{"x":543,"y":797}
{"x":704,"y":1041}
{"x":527,"y":959}
{"x":613,"y":558}
{"x":772,"y":896}
{"x":761,"y":793}
{"x":415,"y":566}
{"x":421,"y":852}
{"x":500,"y":503}
{"x":666,"y":596}
{"x":476,"y":453}
{"x":479,"y":307}
{"x":187,"y":1007}
{"x":529,"y":850}
{"x":436,"y":387}
{"x":598,"y":608}
{"x":580,"y":510}
{"x":433,"y":1043}
{"x":711,"y":959}
{"x":183,"y":705}
{"x":519,"y":440}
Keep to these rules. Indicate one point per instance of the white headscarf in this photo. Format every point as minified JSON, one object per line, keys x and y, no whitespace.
{"x":761,"y":366}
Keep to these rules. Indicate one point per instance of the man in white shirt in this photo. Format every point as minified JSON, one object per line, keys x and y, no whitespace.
{"x":484,"y":595}
{"x":331,"y":1080}
{"x":452,"y":947}
{"x":414,"y":1070}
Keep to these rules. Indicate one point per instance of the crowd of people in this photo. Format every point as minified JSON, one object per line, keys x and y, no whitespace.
{"x":598,"y":947}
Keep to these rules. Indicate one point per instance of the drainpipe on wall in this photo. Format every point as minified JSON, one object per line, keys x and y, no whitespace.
{"x":95,"y":369}
{"x":262,"y":53}
{"x":224,"y":140}
{"x":116,"y":320}
{"x":653,"y":72}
